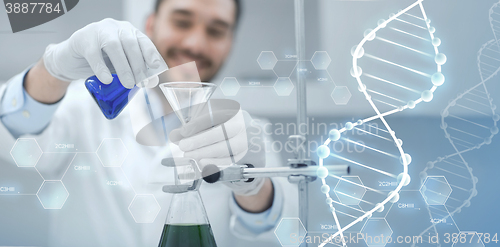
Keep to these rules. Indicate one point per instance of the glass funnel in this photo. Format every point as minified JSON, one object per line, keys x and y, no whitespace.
{"x":187,"y":99}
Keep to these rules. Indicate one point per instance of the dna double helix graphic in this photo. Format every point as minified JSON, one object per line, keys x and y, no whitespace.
{"x":469,"y":122}
{"x":397,"y":66}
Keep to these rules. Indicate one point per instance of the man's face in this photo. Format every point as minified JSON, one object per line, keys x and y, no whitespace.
{"x":194,"y":30}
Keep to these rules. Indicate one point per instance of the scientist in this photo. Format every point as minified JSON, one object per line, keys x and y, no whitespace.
{"x":48,"y":102}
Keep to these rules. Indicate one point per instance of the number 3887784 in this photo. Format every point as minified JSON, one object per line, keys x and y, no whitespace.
{"x":32,"y":8}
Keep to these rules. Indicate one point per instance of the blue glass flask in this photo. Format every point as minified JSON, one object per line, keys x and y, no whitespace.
{"x":111,"y":98}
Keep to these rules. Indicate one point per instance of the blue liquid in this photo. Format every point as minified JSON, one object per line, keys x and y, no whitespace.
{"x":111,"y":98}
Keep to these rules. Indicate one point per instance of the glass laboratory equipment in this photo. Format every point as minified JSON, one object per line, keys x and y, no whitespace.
{"x":187,"y":99}
{"x":187,"y":223}
{"x":111,"y":98}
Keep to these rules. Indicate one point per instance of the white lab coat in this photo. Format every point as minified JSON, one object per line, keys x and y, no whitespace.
{"x":96,"y":213}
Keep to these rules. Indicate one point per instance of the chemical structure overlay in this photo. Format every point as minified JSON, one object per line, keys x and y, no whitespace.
{"x":391,"y":82}
{"x":469,"y":121}
{"x":103,"y":166}
{"x":315,"y":70}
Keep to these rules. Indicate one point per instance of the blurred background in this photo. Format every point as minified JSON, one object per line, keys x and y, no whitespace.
{"x":332,"y":26}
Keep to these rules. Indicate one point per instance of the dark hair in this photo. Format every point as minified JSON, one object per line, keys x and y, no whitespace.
{"x":236,"y":2}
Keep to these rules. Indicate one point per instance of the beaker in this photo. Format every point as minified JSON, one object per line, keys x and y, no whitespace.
{"x":187,"y":222}
{"x":111,"y":98}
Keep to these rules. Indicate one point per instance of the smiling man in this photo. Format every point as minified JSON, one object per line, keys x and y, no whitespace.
{"x":48,"y":102}
{"x":201,"y":31}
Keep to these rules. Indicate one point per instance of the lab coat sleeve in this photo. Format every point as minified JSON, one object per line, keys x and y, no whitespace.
{"x":261,"y":226}
{"x":260,"y":222}
{"x":20,"y":113}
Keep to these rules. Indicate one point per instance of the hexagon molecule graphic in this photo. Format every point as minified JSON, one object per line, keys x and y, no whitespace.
{"x":350,"y":193}
{"x":112,"y":152}
{"x":26,"y":152}
{"x":435,"y":190}
{"x":52,"y":194}
{"x":290,"y":232}
{"x":373,"y":230}
{"x":321,"y":60}
{"x":341,"y":95}
{"x":471,"y":240}
{"x":45,"y":165}
{"x":267,"y":60}
{"x":230,"y":86}
{"x":144,"y":208}
{"x":283,"y":86}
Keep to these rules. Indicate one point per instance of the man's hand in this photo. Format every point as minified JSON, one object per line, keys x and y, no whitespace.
{"x":87,"y":52}
{"x":81,"y":55}
{"x":229,"y":141}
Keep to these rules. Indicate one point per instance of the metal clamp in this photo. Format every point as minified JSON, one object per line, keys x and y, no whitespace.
{"x":212,"y":173}
{"x":180,"y":187}
{"x":296,"y":163}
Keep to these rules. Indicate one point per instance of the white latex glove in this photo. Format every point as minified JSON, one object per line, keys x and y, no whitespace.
{"x":81,"y":56}
{"x":199,"y":140}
